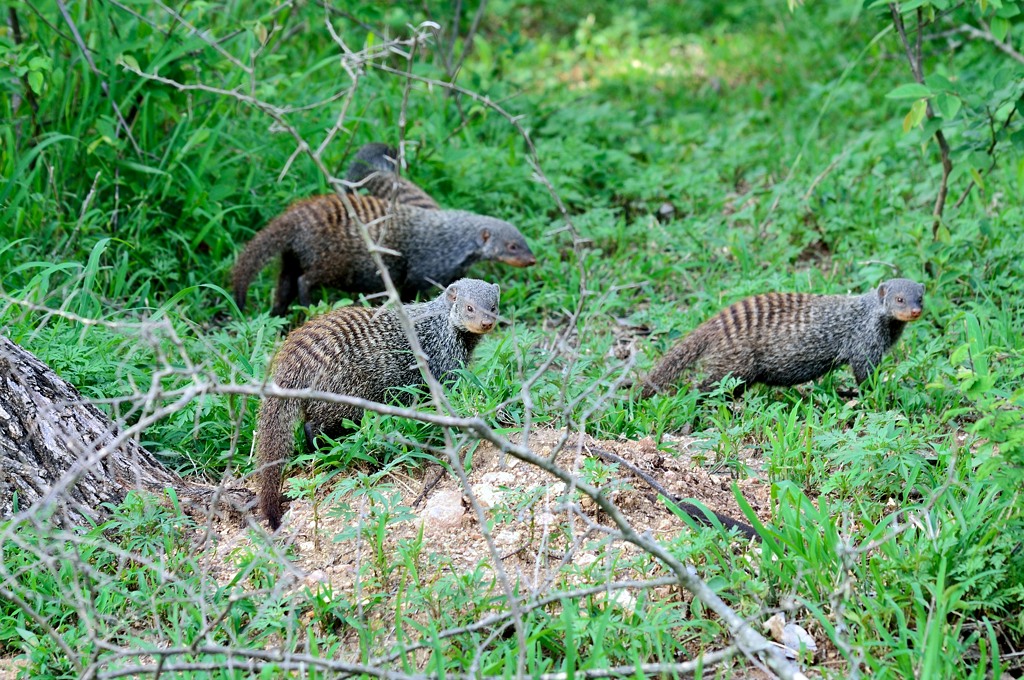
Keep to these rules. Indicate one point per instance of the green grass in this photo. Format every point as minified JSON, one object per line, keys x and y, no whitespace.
{"x":785,"y":166}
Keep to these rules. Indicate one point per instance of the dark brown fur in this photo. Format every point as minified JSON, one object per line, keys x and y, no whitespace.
{"x":790,"y":338}
{"x":375,"y":168}
{"x":320,"y":244}
{"x":362,"y":352}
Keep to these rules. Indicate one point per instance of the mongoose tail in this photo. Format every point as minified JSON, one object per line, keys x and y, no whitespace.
{"x":683,"y":354}
{"x":375,"y":168}
{"x":276,"y":440}
{"x":276,"y":238}
{"x":786,"y":339}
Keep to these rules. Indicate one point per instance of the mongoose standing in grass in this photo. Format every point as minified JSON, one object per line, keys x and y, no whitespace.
{"x":790,"y":338}
{"x":320,"y":244}
{"x":362,"y":352}
{"x":375,"y":169}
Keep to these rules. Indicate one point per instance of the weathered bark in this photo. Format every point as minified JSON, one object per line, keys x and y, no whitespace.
{"x":61,"y":454}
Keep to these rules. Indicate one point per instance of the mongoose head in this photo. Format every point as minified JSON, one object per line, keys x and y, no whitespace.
{"x":501,"y":241}
{"x":902,"y":299}
{"x":371,"y":158}
{"x":473,"y":305}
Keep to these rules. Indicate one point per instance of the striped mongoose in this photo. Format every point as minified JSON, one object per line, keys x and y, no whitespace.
{"x":319,"y":244}
{"x":375,"y":169}
{"x":362,"y":352}
{"x":790,"y":338}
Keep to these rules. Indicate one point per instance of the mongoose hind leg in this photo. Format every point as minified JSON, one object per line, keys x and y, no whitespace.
{"x":287,"y":284}
{"x":305,"y":284}
{"x":326,"y":419}
{"x":310,"y":437}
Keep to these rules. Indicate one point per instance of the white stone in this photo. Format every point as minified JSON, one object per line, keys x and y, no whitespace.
{"x":444,"y":510}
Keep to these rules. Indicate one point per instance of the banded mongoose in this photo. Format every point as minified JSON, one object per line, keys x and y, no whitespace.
{"x":789,"y":338}
{"x":362,"y":352}
{"x":320,"y":244}
{"x":375,"y":169}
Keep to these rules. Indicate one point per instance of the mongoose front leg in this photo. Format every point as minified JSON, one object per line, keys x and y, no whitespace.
{"x":862,"y":370}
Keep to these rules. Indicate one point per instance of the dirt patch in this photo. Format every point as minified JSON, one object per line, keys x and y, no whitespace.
{"x":498,"y":481}
{"x":547,"y":537}
{"x":539,"y":524}
{"x":9,"y":668}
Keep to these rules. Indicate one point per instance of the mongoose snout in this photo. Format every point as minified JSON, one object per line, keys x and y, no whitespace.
{"x":907,"y":302}
{"x":518,"y":255}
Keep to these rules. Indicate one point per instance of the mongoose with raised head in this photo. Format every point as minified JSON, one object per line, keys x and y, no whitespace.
{"x":320,"y":244}
{"x":375,"y":169}
{"x":362,"y":352}
{"x":789,"y":338}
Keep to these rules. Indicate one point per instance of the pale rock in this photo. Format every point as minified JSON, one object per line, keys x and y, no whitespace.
{"x":443,"y":510}
{"x":790,"y":635}
{"x":487,"y":495}
{"x":507,"y":537}
{"x":545,"y":519}
{"x":316,"y":577}
{"x":498,"y":478}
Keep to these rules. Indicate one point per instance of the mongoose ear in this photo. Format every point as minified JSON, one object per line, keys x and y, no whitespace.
{"x":485,"y":235}
{"x":497,"y":289}
{"x":881,"y":292}
{"x":452,"y":292}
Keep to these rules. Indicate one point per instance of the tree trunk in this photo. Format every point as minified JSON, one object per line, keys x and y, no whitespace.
{"x":60,"y":454}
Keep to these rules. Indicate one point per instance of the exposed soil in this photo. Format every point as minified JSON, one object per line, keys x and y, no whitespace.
{"x":540,"y":532}
{"x":535,"y":498}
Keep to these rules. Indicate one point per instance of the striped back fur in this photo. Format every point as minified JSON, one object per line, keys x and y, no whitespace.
{"x":375,"y":168}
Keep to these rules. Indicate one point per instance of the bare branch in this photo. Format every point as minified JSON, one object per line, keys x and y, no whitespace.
{"x":913,"y":54}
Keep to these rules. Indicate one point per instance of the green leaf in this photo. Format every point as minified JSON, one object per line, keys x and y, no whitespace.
{"x":937,"y":81}
{"x":948,"y":105}
{"x":976,"y":176}
{"x":40,"y":64}
{"x":915,"y":115}
{"x":999,"y":27}
{"x":102,"y":139}
{"x":909,"y":91}
{"x":35,"y":81}
{"x":129,"y":61}
{"x":261,"y":32}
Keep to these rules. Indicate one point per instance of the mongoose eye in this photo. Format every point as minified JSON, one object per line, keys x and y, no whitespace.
{"x":899,"y":299}
{"x":469,"y":308}
{"x":513,"y":247}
